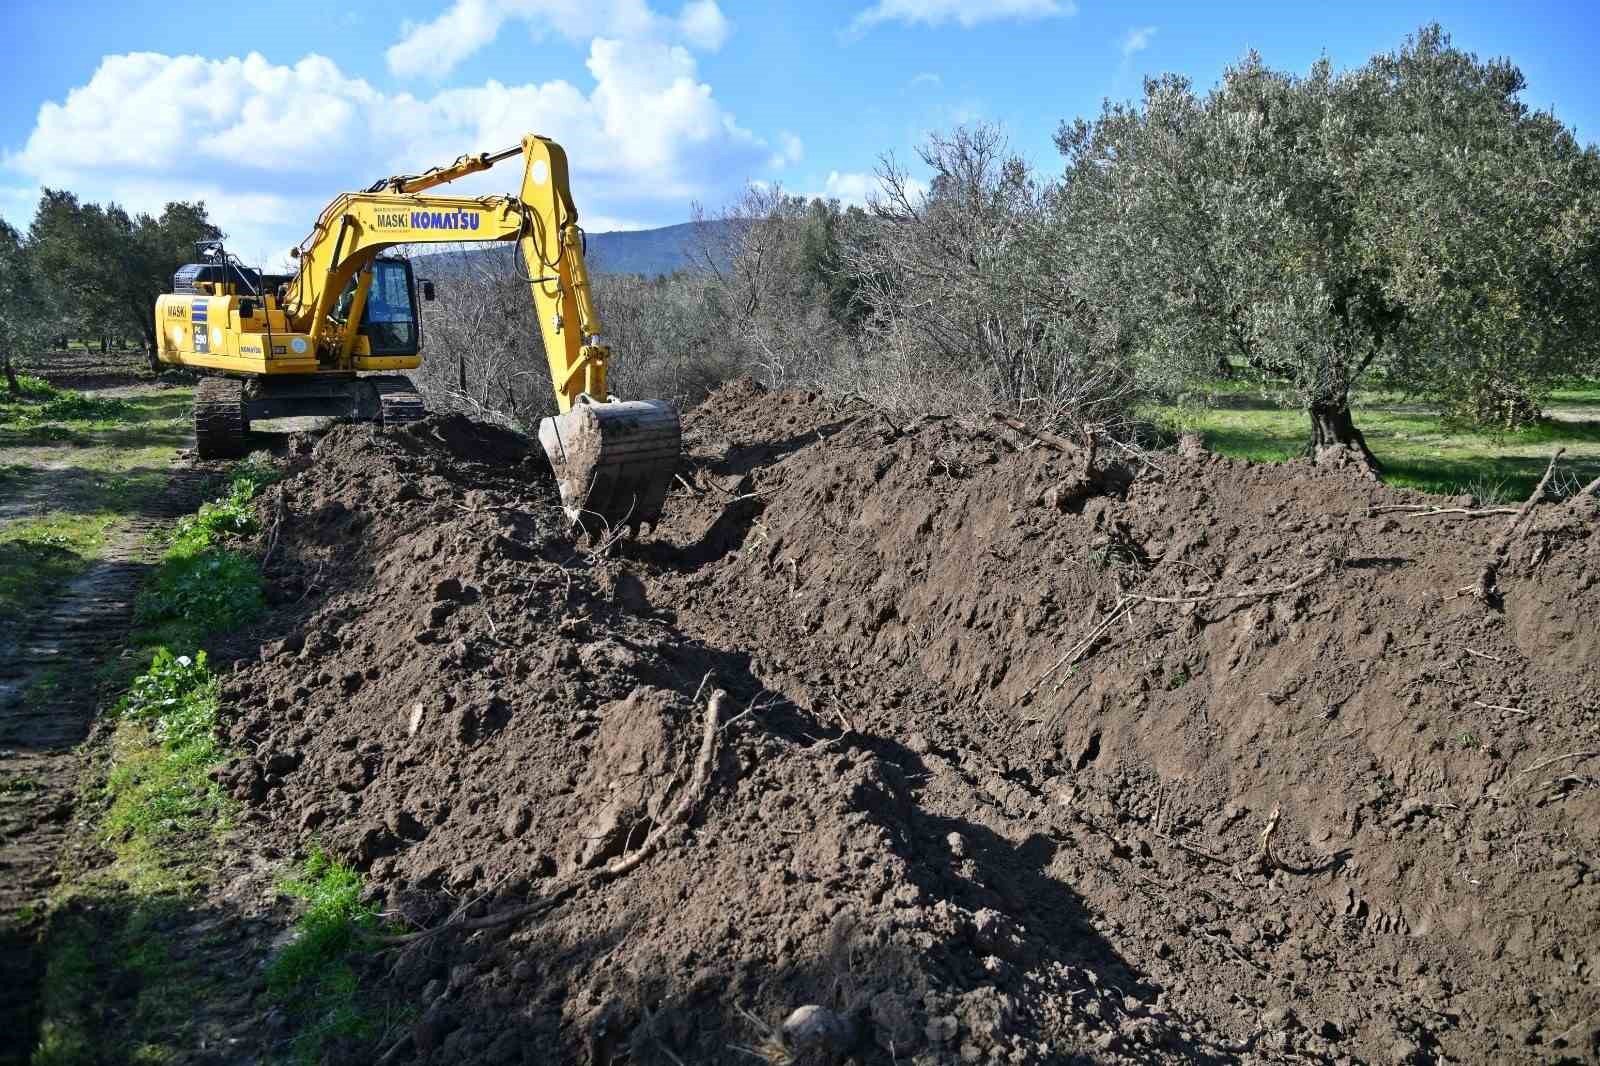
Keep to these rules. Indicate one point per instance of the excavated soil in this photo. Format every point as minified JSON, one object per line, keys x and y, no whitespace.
{"x":967,"y":795}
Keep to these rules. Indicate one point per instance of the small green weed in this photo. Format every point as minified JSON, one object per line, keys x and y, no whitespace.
{"x":1469,"y":741}
{"x":312,"y":977}
{"x":1179,"y":679}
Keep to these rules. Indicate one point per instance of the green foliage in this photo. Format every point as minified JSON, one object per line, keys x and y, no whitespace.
{"x":200,"y":581}
{"x":213,"y":589}
{"x":39,"y":402}
{"x":178,"y":695}
{"x":159,"y":786}
{"x":1409,"y":223}
{"x":313,"y":977}
{"x":106,"y":266}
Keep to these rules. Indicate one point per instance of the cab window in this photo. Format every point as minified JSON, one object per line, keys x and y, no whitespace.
{"x":390,"y":320}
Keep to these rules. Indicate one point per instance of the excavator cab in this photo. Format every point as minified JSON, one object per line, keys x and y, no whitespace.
{"x":389,"y":317}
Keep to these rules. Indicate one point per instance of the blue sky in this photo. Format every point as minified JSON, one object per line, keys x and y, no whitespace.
{"x":267,"y":110}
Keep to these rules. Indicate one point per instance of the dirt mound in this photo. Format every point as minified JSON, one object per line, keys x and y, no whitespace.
{"x":1005,"y":746}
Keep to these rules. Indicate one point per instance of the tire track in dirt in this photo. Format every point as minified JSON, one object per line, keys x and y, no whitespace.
{"x":40,"y":729}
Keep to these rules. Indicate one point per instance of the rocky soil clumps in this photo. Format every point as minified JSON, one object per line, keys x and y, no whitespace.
{"x":1005,"y":733}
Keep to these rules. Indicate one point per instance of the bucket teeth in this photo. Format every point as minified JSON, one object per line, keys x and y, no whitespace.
{"x":613,"y":462}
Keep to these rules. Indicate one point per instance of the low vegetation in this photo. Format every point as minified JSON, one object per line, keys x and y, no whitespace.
{"x":203,"y":585}
{"x":312,"y":977}
{"x":37,"y":401}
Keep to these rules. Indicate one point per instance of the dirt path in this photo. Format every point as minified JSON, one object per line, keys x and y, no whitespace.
{"x":49,"y":692}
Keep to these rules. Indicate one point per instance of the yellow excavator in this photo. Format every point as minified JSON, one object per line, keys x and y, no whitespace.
{"x":326,"y":340}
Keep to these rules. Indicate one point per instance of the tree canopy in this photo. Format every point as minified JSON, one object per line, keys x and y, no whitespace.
{"x":1408,"y":223}
{"x":107,"y":267}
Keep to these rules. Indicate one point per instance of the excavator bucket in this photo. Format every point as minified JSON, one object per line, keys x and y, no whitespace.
{"x":613,"y":462}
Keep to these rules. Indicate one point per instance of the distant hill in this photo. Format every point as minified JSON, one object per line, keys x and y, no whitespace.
{"x":650,"y":252}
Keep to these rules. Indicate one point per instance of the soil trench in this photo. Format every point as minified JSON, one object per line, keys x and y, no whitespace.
{"x":1192,"y":760}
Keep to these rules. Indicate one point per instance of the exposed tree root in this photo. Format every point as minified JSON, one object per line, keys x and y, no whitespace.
{"x":1484,"y":587}
{"x":581,"y":881}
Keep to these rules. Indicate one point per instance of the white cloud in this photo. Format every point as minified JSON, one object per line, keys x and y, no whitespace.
{"x":851,"y":187}
{"x":859,"y":188}
{"x":926,"y":78}
{"x":436,"y":47}
{"x":1137,"y":40}
{"x":965,"y":13}
{"x":267,"y":145}
{"x":703,"y":24}
{"x":791,"y":149}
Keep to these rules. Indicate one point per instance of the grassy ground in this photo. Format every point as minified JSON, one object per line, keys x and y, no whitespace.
{"x":127,"y":920}
{"x":75,"y":466}
{"x":1418,"y":450}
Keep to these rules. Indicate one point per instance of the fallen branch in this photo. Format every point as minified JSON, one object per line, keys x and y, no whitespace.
{"x":1502,"y":545}
{"x":569,"y":886}
{"x":1122,"y":608}
{"x":1501,"y":707}
{"x":1044,"y":436}
{"x":1127,"y":601}
{"x":1561,"y":758}
{"x":1248,"y":594}
{"x":1422,"y":510}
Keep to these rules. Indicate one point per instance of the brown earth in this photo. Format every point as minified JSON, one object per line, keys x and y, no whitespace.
{"x":949,"y":801}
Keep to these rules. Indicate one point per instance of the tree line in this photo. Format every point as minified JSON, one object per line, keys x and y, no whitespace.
{"x":86,"y":270}
{"x":1409,"y":225}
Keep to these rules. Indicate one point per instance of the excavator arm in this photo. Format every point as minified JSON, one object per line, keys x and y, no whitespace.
{"x":613,"y":460}
{"x":356,"y":228}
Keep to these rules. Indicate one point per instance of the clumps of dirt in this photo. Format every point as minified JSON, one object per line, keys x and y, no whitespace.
{"x":998,"y":762}
{"x":1100,"y":660}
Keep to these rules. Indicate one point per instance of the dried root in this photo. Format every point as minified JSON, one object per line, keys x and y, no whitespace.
{"x":582,"y":881}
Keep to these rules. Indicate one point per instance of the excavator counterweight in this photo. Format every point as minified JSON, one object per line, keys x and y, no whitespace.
{"x":327,"y":340}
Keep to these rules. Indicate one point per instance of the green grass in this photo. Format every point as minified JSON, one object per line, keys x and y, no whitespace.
{"x":1417,"y":448}
{"x":160,"y":815}
{"x":159,"y":792}
{"x":313,"y":978}
{"x":40,"y":555}
{"x":75,"y":466}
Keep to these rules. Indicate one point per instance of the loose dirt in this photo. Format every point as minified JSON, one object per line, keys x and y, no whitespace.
{"x":1002,"y":745}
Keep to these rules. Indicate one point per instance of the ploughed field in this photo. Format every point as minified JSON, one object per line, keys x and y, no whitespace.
{"x":1178,"y":759}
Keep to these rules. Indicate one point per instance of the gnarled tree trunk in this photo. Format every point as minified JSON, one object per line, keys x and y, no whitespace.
{"x":1332,"y":427}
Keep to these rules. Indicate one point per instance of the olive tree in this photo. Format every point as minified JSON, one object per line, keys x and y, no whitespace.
{"x":27,"y":311}
{"x":1484,"y":217}
{"x":1337,"y":229}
